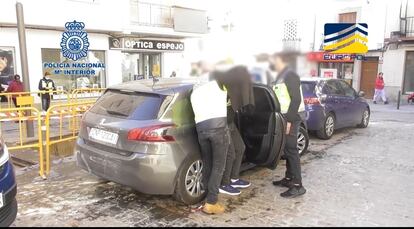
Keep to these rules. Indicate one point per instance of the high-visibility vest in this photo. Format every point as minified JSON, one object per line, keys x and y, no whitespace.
{"x":209,"y":101}
{"x":283,"y":96}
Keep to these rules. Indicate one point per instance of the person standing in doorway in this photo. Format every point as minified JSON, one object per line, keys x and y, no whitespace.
{"x":288,"y":91}
{"x":379,"y":89}
{"x":15,"y":86}
{"x":46,"y":84}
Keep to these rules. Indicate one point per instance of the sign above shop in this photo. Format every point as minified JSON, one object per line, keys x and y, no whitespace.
{"x":329,"y":57}
{"x":140,"y":44}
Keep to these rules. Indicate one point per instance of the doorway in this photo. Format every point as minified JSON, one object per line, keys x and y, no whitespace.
{"x":137,"y":66}
{"x":369,"y":71}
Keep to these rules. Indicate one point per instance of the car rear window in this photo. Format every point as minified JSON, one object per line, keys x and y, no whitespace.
{"x":308,"y":87}
{"x":130,"y":105}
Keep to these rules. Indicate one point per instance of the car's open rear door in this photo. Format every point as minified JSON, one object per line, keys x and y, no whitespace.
{"x":263,"y":129}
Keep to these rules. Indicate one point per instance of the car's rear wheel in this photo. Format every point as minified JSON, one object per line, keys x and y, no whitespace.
{"x":189,"y":188}
{"x":365,"y":119}
{"x":303,"y":140}
{"x":328,"y":128}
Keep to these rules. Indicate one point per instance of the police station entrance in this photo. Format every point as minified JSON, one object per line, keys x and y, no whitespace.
{"x":136,"y":65}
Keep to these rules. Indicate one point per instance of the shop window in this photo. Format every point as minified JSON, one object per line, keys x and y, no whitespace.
{"x":93,"y":77}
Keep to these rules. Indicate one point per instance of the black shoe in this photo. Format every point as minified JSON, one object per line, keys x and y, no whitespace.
{"x":294,"y":191}
{"x":386,"y":102}
{"x":283,"y":183}
{"x":375,"y":102}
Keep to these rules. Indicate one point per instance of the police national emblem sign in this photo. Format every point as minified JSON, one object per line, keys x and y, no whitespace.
{"x":74,"y":41}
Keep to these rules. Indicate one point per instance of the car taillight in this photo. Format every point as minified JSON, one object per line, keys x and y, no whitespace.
{"x":311,"y":101}
{"x":156,"y":133}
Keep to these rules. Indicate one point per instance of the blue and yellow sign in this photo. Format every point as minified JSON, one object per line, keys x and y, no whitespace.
{"x":346,"y":38}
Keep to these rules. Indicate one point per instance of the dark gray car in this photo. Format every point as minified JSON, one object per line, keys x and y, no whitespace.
{"x":143,"y":136}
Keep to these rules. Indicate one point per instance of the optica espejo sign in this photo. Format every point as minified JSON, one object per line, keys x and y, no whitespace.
{"x":140,"y":44}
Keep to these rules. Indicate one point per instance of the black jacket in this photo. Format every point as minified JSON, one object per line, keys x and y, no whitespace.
{"x":238,"y":83}
{"x":41,"y":88}
{"x":292,"y":81}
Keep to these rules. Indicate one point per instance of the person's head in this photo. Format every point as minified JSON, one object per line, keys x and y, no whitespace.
{"x":17,"y":77}
{"x":380,"y":75}
{"x":278,"y":61}
{"x":46,"y":75}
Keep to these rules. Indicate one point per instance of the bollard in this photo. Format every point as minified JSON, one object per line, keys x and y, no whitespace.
{"x":398,"y":99}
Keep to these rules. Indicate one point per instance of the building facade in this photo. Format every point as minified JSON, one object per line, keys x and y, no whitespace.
{"x":390,"y":43}
{"x":128,"y":40}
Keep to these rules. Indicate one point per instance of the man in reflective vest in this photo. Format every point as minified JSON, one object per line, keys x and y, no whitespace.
{"x":209,"y":103}
{"x":288,"y":91}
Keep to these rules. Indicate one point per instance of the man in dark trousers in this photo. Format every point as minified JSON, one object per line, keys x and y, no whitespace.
{"x":209,"y":104}
{"x":46,"y":84}
{"x":289,"y":93}
{"x":237,"y":82}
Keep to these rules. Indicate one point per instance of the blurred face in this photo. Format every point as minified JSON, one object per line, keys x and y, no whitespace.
{"x":276,"y":64}
{"x":3,"y":63}
{"x":17,"y":78}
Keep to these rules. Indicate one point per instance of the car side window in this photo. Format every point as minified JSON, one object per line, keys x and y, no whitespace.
{"x":331,"y":88}
{"x":348,"y":90}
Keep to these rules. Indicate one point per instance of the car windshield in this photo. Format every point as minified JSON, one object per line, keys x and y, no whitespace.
{"x":129,"y":105}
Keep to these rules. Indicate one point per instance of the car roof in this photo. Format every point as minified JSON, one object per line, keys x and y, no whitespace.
{"x":165,"y":86}
{"x":316,"y":79}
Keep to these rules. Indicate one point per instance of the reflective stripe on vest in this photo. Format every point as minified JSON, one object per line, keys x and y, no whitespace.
{"x":283,"y":96}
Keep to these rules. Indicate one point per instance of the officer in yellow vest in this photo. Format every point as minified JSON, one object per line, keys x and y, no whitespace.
{"x":289,"y":93}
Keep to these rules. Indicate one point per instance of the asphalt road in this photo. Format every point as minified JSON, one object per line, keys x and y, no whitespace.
{"x":361,"y":177}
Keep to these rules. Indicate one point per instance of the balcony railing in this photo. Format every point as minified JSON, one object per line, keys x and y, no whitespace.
{"x":407,"y":26}
{"x":149,"y":14}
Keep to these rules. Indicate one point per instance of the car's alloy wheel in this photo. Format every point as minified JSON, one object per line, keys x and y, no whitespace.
{"x":301,"y":142}
{"x":365,"y":119}
{"x":329,"y":126}
{"x":193,"y":179}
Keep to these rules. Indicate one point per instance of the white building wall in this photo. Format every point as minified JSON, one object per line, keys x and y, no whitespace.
{"x":95,"y":14}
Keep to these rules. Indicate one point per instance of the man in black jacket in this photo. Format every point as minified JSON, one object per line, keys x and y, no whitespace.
{"x":238,"y":84}
{"x":289,"y":93}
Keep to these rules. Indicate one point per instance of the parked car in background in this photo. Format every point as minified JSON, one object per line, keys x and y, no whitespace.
{"x":261,"y":75}
{"x":8,"y":188}
{"x":332,"y":104}
{"x":142,"y":135}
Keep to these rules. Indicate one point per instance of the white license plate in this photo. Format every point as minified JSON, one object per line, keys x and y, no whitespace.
{"x":1,"y":200}
{"x":103,"y":136}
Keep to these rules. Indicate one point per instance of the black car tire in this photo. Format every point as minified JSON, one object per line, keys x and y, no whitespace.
{"x":304,"y":132}
{"x":10,"y":216}
{"x":364,"y":123}
{"x":180,"y":193}
{"x":323,"y":133}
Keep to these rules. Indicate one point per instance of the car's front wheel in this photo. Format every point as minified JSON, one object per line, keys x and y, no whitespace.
{"x":189,"y":187}
{"x":328,"y":128}
{"x":365,"y":119}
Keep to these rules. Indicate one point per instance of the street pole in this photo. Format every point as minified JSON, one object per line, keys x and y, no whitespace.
{"x":23,"y":58}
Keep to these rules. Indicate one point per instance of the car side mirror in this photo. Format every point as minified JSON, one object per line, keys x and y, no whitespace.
{"x":361,"y":94}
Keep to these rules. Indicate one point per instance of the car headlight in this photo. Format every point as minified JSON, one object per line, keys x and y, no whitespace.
{"x":4,"y":152}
